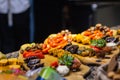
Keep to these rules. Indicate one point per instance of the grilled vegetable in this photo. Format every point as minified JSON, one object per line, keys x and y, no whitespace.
{"x":71,"y":48}
{"x":37,"y":53}
{"x":29,"y":58}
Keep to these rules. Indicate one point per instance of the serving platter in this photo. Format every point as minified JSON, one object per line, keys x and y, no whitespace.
{"x":94,"y":60}
{"x":90,"y":60}
{"x":79,"y":75}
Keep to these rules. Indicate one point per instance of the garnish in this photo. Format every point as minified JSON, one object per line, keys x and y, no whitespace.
{"x":66,"y":60}
{"x":98,"y":43}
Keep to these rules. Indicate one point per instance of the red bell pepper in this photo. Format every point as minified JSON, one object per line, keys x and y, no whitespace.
{"x":37,"y":53}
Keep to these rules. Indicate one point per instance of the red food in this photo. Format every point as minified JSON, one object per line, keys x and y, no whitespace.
{"x":57,"y":41}
{"x":44,"y":46}
{"x":25,"y":53}
{"x":54,"y":64}
{"x":45,"y":51}
{"x":37,"y":53}
{"x":87,"y":33}
{"x":95,"y":48}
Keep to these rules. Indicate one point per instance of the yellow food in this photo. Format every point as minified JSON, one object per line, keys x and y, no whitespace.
{"x":118,"y":31}
{"x":57,"y":52}
{"x":81,"y":39}
{"x":6,"y":64}
{"x":12,"y":60}
{"x":86,"y":40}
{"x":14,"y":66}
{"x":3,"y":62}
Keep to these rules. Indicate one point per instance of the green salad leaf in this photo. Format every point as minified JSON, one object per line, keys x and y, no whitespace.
{"x":66,"y":60}
{"x":98,"y":43}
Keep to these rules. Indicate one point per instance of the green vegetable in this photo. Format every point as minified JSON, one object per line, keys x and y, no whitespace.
{"x":98,"y":43}
{"x":66,"y":60}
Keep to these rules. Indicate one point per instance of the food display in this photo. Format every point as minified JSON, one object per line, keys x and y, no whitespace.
{"x":98,"y":32}
{"x":71,"y":62}
{"x":32,"y":55}
{"x":75,"y":49}
{"x":11,"y":68}
{"x":58,"y":64}
{"x":57,"y":52}
{"x":33,"y":62}
{"x":65,"y":55}
{"x":59,"y":40}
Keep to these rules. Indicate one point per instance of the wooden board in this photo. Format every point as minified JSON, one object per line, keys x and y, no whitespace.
{"x":73,"y":75}
{"x":78,"y":75}
{"x":94,"y":59}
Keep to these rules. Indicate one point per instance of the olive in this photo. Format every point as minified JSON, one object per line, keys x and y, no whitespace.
{"x":33,"y":61}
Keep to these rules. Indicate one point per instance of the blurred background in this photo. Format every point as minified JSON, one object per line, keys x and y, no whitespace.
{"x":35,"y":20}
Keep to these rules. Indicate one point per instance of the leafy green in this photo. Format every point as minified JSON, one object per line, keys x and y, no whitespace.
{"x":98,"y":42}
{"x":66,"y":60}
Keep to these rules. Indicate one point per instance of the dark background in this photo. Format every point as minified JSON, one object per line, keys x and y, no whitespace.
{"x":51,"y":16}
{"x":75,"y":15}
